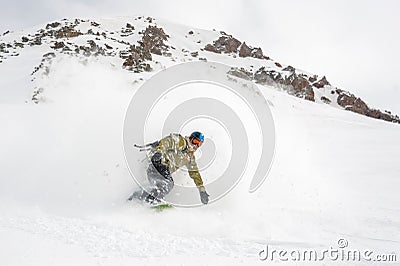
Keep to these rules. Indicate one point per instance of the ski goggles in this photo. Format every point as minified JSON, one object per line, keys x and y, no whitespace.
{"x":197,"y":142}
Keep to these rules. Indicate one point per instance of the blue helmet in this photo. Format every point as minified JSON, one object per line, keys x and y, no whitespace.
{"x":197,"y":135}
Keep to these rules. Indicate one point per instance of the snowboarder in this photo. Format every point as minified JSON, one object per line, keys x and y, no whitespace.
{"x":168,"y":155}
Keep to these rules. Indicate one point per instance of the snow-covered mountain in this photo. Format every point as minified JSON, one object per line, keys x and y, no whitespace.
{"x":64,"y":91}
{"x":139,"y":44}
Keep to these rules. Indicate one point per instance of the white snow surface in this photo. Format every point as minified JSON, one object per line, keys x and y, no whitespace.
{"x":64,"y":180}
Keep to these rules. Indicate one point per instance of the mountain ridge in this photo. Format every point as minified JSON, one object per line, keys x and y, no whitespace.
{"x":138,"y":43}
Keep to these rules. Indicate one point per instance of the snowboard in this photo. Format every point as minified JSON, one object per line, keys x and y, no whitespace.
{"x":162,"y":207}
{"x":159,"y":206}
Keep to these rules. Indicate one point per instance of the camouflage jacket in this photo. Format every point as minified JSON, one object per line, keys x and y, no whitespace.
{"x":177,"y":152}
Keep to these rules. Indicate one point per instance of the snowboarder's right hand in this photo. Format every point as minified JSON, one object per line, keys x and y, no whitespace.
{"x":204,"y":197}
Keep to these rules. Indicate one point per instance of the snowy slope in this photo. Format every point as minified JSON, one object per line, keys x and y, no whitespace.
{"x":64,"y":180}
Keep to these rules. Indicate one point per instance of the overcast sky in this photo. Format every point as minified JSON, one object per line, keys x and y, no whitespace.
{"x":354,"y":43}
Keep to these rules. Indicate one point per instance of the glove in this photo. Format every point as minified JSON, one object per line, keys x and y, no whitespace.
{"x":157,"y":157}
{"x":204,"y":197}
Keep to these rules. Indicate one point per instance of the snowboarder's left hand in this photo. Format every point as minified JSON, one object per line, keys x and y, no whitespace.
{"x":204,"y":197}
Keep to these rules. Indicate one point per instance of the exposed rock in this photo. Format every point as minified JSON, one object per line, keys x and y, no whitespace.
{"x":301,"y":87}
{"x":129,"y":26}
{"x":299,"y":83}
{"x":312,"y":78}
{"x":350,"y":102}
{"x":66,"y":49}
{"x":211,"y":48}
{"x":58,"y":45}
{"x":92,"y":49}
{"x":93,"y":46}
{"x":66,"y":32}
{"x":231,"y":44}
{"x":35,"y":95}
{"x":228,"y":44}
{"x":321,"y":83}
{"x":49,"y":55}
{"x":262,"y":76}
{"x":36,"y":41}
{"x":95,"y":49}
{"x":138,"y":58}
{"x":241,"y":73}
{"x":135,"y":59}
{"x":224,"y":44}
{"x":153,"y":40}
{"x":269,"y":77}
{"x":2,"y":47}
{"x":245,"y":51}
{"x":290,"y":69}
{"x":128,"y":30}
{"x":325,"y":100}
{"x":52,"y":25}
{"x":383,"y":115}
{"x":309,"y":94}
{"x":257,"y":53}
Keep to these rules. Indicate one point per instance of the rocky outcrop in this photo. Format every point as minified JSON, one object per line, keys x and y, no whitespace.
{"x":128,"y":30}
{"x":152,"y":42}
{"x":138,"y":57}
{"x":53,"y":25}
{"x":298,"y":84}
{"x":135,"y":59}
{"x":58,"y":45}
{"x":224,"y":44}
{"x":289,"y":69}
{"x":67,"y":32}
{"x":352,"y":103}
{"x":246,"y":51}
{"x":228,"y":44}
{"x":301,"y":85}
{"x":241,"y":73}
{"x":295,"y":84}
{"x":91,"y":49}
{"x":321,"y":83}
{"x":325,"y":100}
